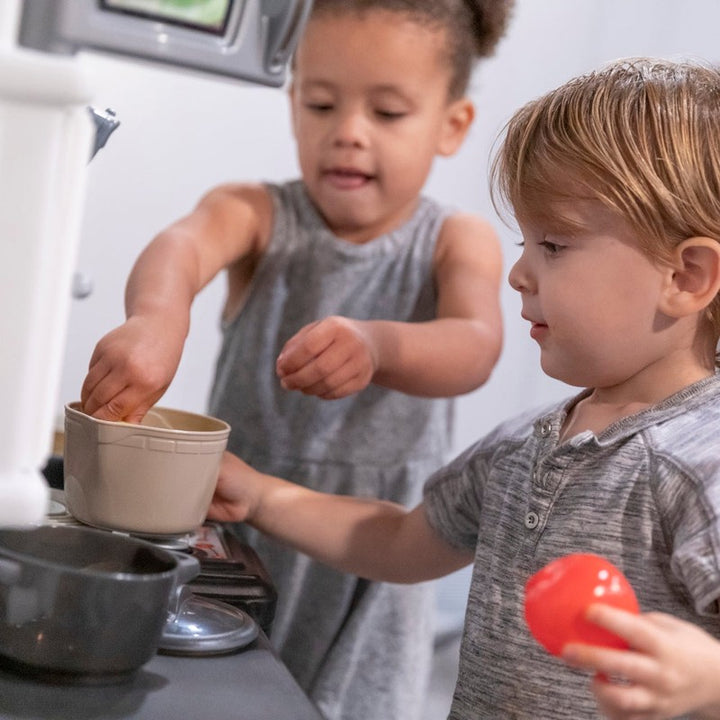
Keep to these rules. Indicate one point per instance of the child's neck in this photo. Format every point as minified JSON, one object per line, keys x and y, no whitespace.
{"x":605,"y":406}
{"x":593,"y":414}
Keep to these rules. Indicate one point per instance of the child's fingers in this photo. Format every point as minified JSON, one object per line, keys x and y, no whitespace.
{"x":639,"y":631}
{"x":617,"y":700}
{"x":92,"y":390}
{"x":105,"y":392}
{"x":344,"y":386}
{"x":610,"y":664}
{"x":625,"y":683}
{"x":346,"y":381}
{"x":343,"y":381}
{"x":318,"y":370}
{"x":301,"y":348}
{"x":126,"y":406}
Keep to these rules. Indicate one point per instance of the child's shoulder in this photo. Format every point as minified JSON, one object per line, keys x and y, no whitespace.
{"x":690,"y":428}
{"x":238,"y":190}
{"x":459,"y":222}
{"x":464,"y":228}
{"x":240,"y":202}
{"x":697,"y":405}
{"x":468,"y":245}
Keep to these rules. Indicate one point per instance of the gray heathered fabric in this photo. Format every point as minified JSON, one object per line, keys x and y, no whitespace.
{"x":645,"y":493}
{"x":362,"y":651}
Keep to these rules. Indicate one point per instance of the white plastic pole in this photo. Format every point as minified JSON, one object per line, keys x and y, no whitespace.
{"x":45,"y":139}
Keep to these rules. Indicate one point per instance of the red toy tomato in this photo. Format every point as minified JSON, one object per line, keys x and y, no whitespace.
{"x":557,"y":596}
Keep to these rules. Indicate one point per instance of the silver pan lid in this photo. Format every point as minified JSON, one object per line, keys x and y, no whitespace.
{"x":204,"y":626}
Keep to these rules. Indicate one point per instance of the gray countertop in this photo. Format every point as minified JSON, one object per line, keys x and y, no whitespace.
{"x":250,"y":685}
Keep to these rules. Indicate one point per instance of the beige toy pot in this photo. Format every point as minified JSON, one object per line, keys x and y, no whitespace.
{"x":155,"y":478}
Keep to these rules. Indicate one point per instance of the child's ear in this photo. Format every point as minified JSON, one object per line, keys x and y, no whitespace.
{"x":694,"y":278}
{"x":458,"y":119}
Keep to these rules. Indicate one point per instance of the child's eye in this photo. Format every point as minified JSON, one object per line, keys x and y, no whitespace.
{"x":390,"y":114}
{"x":550,"y":247}
{"x":319,"y":107}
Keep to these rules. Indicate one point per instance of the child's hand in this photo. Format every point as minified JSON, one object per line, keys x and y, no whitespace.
{"x":236,"y":492}
{"x":331,"y":358}
{"x":130,"y":370}
{"x":672,"y":668}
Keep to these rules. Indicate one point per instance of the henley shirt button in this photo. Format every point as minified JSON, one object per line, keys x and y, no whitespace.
{"x":532,"y":520}
{"x":545,"y":429}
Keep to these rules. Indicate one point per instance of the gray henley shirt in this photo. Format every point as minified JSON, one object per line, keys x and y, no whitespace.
{"x":644,"y":493}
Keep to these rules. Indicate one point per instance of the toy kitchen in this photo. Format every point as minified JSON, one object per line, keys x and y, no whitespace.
{"x":49,"y":132}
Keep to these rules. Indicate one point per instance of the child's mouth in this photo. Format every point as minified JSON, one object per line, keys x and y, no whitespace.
{"x":538,"y":331}
{"x":346,"y":178}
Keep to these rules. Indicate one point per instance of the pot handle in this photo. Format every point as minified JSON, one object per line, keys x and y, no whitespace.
{"x":10,"y":571}
{"x":188,"y":569}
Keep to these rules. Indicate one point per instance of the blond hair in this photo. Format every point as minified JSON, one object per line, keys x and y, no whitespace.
{"x":641,"y":135}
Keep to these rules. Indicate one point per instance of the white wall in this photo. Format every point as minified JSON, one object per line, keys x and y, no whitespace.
{"x":182,"y":133}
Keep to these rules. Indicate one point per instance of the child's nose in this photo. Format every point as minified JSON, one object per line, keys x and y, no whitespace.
{"x":520,"y":277}
{"x":351,"y":129}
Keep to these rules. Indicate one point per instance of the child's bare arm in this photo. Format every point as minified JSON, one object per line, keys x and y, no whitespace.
{"x":133,"y":364}
{"x":451,"y":355}
{"x":374,"y":539}
{"x":672,"y":668}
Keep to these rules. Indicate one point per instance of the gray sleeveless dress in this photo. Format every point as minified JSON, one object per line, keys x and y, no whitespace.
{"x":360,"y":650}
